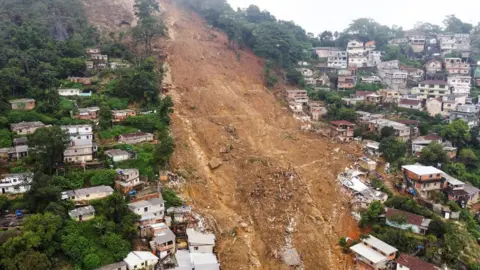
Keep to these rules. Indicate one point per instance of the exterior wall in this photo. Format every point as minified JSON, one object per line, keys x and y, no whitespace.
{"x":92,"y":196}
{"x":416,"y":177}
{"x":201,"y":248}
{"x":69,"y":92}
{"x":26,"y":131}
{"x":85,"y":217}
{"x":27,"y":106}
{"x":434,"y":107}
{"x":120,"y":158}
{"x":134,"y":140}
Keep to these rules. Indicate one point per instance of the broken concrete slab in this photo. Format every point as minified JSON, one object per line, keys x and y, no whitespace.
{"x":214,"y":163}
{"x":290,"y":257}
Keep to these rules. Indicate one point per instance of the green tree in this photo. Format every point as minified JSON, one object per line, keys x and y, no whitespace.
{"x":386,"y":132}
{"x":468,"y":157}
{"x":455,"y":25}
{"x":163,"y":150}
{"x":295,"y":77}
{"x":47,"y":146}
{"x":433,"y":154}
{"x":392,"y":148}
{"x":91,"y":261}
{"x":171,"y":198}
{"x":372,"y":215}
{"x":457,"y":132}
{"x":105,"y":121}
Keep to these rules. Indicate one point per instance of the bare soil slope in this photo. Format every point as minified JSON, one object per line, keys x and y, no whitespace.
{"x":276,"y":185}
{"x":220,"y":103}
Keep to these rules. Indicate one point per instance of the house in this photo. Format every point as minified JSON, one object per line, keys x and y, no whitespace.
{"x":200,"y":242}
{"x":371,"y":79}
{"x":342,"y":130}
{"x":346,"y":82}
{"x":87,"y":194}
{"x":370,"y":45}
{"x":468,"y":113}
{"x":421,"y":142}
{"x":433,"y":66}
{"x":82,"y":80}
{"x":355,"y":47}
{"x":321,"y":79}
{"x":451,"y":102}
{"x":402,"y":131}
{"x":114,"y":266}
{"x":164,"y":243}
{"x":372,"y":148}
{"x":406,"y":221}
{"x":16,"y":183}
{"x":307,"y":75}
{"x":373,"y":252}
{"x":17,"y":152}
{"x":150,"y":211}
{"x":93,"y":50}
{"x":395,"y":79}
{"x":127,"y":179}
{"x":117,"y":155}
{"x":206,"y":261}
{"x":20,"y":141}
{"x":373,"y":99}
{"x":398,"y":41}
{"x":324,"y":52}
{"x":424,"y":178}
{"x":357,"y":60}
{"x":82,"y":213}
{"x":121,"y":115}
{"x":25,"y":128}
{"x":363,"y":94}
{"x":414,"y":74}
{"x":414,"y":104}
{"x":115,"y":65}
{"x":81,"y":148}
{"x":464,"y":194}
{"x":318,"y":113}
{"x":433,"y":106}
{"x":141,"y":260}
{"x":417,"y":42}
{"x":99,"y":57}
{"x":389,"y":96}
{"x":407,"y":262}
{"x":454,"y":42}
{"x":90,"y":64}
{"x":459,"y":85}
{"x":90,"y":113}
{"x":25,"y":104}
{"x":65,"y":92}
{"x":133,"y":138}
{"x":431,"y":89}
{"x":456,"y":66}
{"x":374,"y":58}
{"x":472,"y":193}
{"x":297,"y":94}
{"x":337,"y":59}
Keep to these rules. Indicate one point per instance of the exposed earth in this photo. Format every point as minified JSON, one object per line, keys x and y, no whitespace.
{"x":273,"y":185}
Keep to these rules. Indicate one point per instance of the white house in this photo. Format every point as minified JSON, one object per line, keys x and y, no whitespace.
{"x":413,"y":104}
{"x":358,"y":60}
{"x":87,"y":194}
{"x":204,"y":261}
{"x":459,"y":85}
{"x":69,"y":92}
{"x":150,"y":211}
{"x":117,"y":155}
{"x":81,"y":148}
{"x":337,"y":59}
{"x":199,"y":242}
{"x":374,"y":252}
{"x":355,"y":47}
{"x":16,"y":183}
{"x":141,"y":260}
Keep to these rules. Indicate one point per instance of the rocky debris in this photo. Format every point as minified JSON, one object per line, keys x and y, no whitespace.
{"x":226,"y":149}
{"x":290,"y":257}
{"x":214,"y":163}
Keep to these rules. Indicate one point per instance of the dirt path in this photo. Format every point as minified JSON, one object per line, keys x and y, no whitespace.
{"x":250,"y":199}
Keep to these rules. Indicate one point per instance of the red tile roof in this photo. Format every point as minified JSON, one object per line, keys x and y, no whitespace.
{"x":432,"y":137}
{"x":370,"y":43}
{"x":414,"y":263}
{"x":411,"y":218}
{"x":341,"y":122}
{"x":404,"y":101}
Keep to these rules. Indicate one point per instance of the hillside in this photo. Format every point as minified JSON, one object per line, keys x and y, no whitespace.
{"x":251,"y":199}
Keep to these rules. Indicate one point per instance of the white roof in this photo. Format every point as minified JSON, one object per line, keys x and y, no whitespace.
{"x":422,"y":170}
{"x":200,"y":238}
{"x":453,"y":181}
{"x":355,"y":184}
{"x":183,"y":260}
{"x":204,"y":261}
{"x":137,"y":257}
{"x":368,"y":253}
{"x":379,"y":244}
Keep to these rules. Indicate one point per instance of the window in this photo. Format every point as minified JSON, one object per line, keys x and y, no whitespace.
{"x":195,"y":248}
{"x":88,"y":195}
{"x":145,"y":209}
{"x":143,"y":264}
